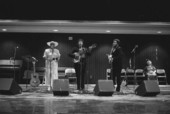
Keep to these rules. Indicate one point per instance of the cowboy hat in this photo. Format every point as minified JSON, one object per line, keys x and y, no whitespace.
{"x":52,"y":42}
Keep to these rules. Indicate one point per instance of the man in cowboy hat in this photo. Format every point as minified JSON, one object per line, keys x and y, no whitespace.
{"x":52,"y":56}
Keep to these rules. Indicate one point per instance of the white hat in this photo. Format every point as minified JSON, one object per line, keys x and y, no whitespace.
{"x":52,"y":42}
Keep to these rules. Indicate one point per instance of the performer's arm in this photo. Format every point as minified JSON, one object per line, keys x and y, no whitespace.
{"x":59,"y":55}
{"x":45,"y":54}
{"x":72,"y":54}
{"x":154,"y":68}
{"x":89,"y":50}
{"x":119,"y":54}
{"x":145,"y":70}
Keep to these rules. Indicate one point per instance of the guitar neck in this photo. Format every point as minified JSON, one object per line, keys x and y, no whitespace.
{"x":34,"y":67}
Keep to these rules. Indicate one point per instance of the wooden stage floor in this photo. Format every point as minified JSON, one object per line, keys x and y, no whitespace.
{"x":38,"y":101}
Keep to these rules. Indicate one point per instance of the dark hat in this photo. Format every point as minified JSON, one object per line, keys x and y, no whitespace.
{"x":81,"y":40}
{"x":148,"y":60}
{"x":117,"y":40}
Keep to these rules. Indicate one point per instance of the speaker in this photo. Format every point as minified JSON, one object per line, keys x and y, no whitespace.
{"x":9,"y":86}
{"x":104,"y":88}
{"x":148,"y":88}
{"x":61,"y":87}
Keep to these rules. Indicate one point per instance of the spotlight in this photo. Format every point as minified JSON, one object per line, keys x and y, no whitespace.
{"x":70,"y":38}
{"x":108,"y":31}
{"x":55,"y":30}
{"x":159,"y":32}
{"x":4,"y":30}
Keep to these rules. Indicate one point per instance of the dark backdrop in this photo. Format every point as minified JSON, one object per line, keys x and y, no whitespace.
{"x":129,"y":10}
{"x":34,"y":44}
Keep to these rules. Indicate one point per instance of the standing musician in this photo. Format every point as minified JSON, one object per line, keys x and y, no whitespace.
{"x":79,"y":55}
{"x":52,"y":56}
{"x":115,"y":58}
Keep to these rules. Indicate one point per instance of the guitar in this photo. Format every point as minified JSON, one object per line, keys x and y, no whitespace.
{"x":79,"y":55}
{"x":110,"y":58}
{"x":124,"y":83}
{"x":35,"y":81}
{"x":124,"y":80}
{"x":151,"y":75}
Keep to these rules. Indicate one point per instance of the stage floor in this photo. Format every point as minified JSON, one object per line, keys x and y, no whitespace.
{"x":39,"y":101}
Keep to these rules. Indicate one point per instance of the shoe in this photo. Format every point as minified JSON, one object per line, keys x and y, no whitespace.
{"x":80,"y":92}
{"x":49,"y":88}
{"x":78,"y":88}
{"x":118,"y":88}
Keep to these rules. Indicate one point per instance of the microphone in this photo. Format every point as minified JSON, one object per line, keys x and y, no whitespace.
{"x":34,"y":59}
{"x":147,"y":59}
{"x":16,"y":47}
{"x":136,"y":46}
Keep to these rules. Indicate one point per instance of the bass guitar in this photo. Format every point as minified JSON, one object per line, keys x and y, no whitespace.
{"x":79,"y":55}
{"x":35,"y":81}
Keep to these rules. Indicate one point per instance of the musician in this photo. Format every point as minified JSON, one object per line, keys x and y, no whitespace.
{"x":52,"y":56}
{"x":79,"y":55}
{"x":150,"y":71}
{"x":115,"y":58}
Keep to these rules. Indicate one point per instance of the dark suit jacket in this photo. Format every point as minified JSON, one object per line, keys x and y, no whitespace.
{"x":117,"y":58}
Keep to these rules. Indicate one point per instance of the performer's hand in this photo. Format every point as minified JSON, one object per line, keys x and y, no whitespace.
{"x":49,"y":59}
{"x":110,"y":58}
{"x":57,"y":59}
{"x":76,"y":54}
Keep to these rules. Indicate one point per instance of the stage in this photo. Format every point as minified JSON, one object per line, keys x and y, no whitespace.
{"x":38,"y":100}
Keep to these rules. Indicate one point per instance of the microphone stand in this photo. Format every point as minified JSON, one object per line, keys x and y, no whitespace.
{"x":28,"y":64}
{"x":156,"y":58}
{"x":134,"y":64}
{"x":15,"y":51}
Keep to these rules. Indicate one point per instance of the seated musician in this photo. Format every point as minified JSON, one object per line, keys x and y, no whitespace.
{"x":150,"y":71}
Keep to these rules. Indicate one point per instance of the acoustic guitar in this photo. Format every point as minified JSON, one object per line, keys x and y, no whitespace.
{"x":35,"y":81}
{"x":124,"y":81}
{"x":152,"y":75}
{"x":79,"y":55}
